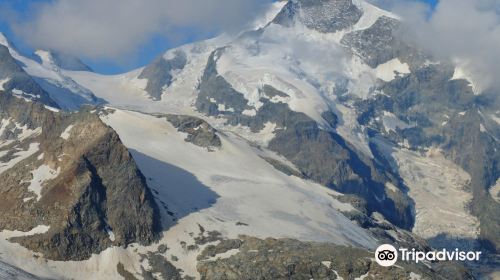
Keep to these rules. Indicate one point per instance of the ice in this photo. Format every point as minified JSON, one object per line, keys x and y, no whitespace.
{"x":18,"y":157}
{"x":495,"y":118}
{"x":66,"y":92}
{"x":370,"y":15}
{"x":224,"y":255}
{"x":392,"y":122}
{"x":40,"y":176}
{"x":67,"y":132}
{"x":12,"y":273}
{"x":233,"y":184}
{"x":495,"y":191}
{"x":3,"y":82}
{"x":40,"y":229}
{"x":391,"y":69}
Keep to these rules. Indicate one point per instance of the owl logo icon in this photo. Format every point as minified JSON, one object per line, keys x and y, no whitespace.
{"x":386,"y":255}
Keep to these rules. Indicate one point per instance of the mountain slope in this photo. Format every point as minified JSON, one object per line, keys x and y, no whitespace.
{"x":15,"y":79}
{"x":320,"y":125}
{"x":70,"y":174}
{"x":42,"y":77}
{"x":270,"y":87}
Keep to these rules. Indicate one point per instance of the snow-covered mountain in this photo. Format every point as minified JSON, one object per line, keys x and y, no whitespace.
{"x":316,"y":130}
{"x":45,"y":77}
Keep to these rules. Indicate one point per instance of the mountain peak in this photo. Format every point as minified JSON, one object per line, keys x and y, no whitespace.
{"x":326,"y":16}
{"x":3,"y":40}
{"x":61,"y":60}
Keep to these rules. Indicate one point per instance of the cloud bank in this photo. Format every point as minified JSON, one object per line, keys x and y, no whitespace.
{"x":112,"y":29}
{"x":464,"y":31}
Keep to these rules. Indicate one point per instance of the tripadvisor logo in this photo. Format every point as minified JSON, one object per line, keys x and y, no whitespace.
{"x":387,"y":255}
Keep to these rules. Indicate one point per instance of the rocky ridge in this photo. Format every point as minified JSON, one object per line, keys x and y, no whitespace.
{"x":71,"y":173}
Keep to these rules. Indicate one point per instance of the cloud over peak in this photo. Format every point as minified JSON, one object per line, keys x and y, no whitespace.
{"x":110,"y":29}
{"x":466,"y":32}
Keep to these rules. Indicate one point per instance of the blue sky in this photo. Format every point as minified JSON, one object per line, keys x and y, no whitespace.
{"x":143,"y":55}
{"x":147,"y":52}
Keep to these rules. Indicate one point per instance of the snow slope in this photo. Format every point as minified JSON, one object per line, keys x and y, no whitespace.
{"x":230,"y":186}
{"x":67,"y":93}
{"x":127,"y":90}
{"x":286,"y":58}
{"x":231,"y":190}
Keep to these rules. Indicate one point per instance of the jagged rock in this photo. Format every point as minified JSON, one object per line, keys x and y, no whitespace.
{"x":425,"y":97}
{"x":159,"y":73}
{"x":124,"y":273}
{"x":216,"y":91}
{"x":15,"y":79}
{"x":320,"y":155}
{"x":326,"y":16}
{"x":200,"y":133}
{"x":292,"y":259}
{"x":381,"y":43}
{"x":377,"y":44}
{"x":159,"y":265}
{"x":283,"y":167}
{"x":83,"y":202}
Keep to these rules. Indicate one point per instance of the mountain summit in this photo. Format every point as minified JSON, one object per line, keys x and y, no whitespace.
{"x":292,"y":150}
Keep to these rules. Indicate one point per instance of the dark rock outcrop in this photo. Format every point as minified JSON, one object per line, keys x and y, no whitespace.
{"x":200,"y":133}
{"x":159,"y":73}
{"x":381,"y":43}
{"x":326,"y":16}
{"x":320,"y":155}
{"x":451,"y":117}
{"x":292,"y":259}
{"x":98,"y":198}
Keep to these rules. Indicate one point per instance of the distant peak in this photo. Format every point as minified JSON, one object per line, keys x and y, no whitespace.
{"x":61,"y":60}
{"x":3,"y":40}
{"x":326,"y":16}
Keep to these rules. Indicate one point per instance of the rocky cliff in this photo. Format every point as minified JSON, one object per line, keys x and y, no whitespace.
{"x":71,"y":173}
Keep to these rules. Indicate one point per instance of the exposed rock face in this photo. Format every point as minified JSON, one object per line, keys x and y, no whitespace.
{"x":326,"y":16}
{"x":252,"y":258}
{"x":15,"y":79}
{"x":70,"y":172}
{"x":200,"y":133}
{"x":327,"y":159}
{"x":377,"y":44}
{"x":451,"y":117}
{"x":434,"y":110}
{"x":160,"y":266}
{"x":321,"y":155}
{"x":216,"y":91}
{"x":160,"y":73}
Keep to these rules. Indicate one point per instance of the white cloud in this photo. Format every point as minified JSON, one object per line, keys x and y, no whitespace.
{"x":464,"y":31}
{"x":111,"y":29}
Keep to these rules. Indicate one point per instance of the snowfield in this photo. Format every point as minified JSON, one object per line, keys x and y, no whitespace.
{"x":230,"y":186}
{"x":62,"y":89}
{"x":231,"y":190}
{"x":40,"y":176}
{"x":495,"y":191}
